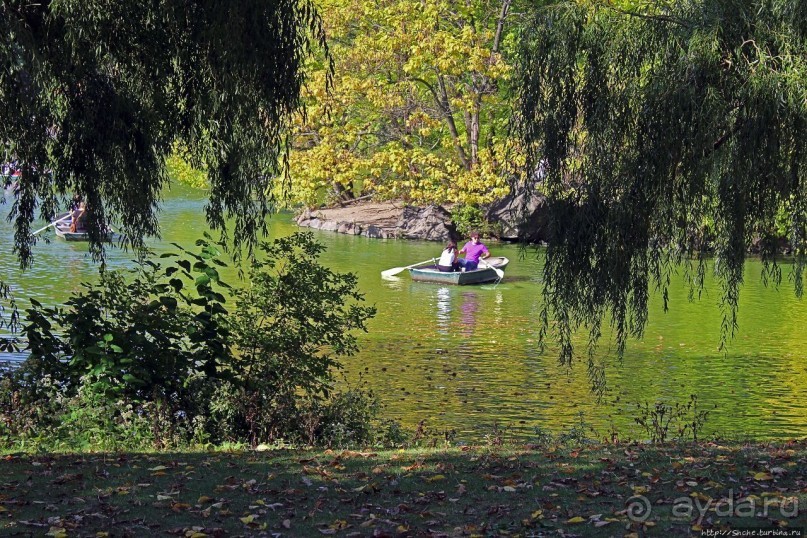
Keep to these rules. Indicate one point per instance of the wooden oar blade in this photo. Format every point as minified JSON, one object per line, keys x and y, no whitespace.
{"x":392,"y":272}
{"x":52,"y":224}
{"x":499,"y":272}
{"x":395,"y":270}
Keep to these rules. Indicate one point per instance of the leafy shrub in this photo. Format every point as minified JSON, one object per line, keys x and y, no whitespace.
{"x":156,"y":358}
{"x":468,"y":218}
{"x":390,"y":434}
{"x":542,"y":438}
{"x":151,"y":341}
{"x":289,"y":326}
{"x":661,"y":421}
{"x":579,"y":433}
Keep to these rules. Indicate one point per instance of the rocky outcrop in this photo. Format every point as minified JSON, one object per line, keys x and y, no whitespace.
{"x":382,"y":221}
{"x":432,"y":223}
{"x":521,"y":216}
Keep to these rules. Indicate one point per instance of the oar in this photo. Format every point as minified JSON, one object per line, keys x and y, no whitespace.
{"x":55,"y":222}
{"x":499,"y":272}
{"x":396,"y":270}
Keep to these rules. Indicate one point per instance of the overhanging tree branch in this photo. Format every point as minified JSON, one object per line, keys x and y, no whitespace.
{"x":630,"y":108}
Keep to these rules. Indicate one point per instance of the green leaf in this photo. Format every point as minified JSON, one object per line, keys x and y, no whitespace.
{"x":169,"y":302}
{"x":129,"y":378}
{"x":218,"y":309}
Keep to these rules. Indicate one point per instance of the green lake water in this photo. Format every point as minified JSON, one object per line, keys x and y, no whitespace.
{"x":466,"y":358}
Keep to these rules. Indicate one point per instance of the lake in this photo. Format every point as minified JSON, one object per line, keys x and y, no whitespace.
{"x":466,"y":358}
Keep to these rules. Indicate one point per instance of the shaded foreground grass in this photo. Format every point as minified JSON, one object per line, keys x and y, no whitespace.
{"x":516,"y":491}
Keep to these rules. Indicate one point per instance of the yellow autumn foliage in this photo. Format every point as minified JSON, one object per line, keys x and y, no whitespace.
{"x":417,"y":108}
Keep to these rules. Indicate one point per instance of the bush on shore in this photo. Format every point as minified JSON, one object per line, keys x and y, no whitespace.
{"x":161,"y":358}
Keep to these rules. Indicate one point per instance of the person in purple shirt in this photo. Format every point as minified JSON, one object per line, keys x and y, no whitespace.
{"x":473,"y":250}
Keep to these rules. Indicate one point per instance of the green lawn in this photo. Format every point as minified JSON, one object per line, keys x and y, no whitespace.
{"x":467,"y":491}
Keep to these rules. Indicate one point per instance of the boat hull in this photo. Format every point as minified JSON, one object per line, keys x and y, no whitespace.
{"x":481,"y":275}
{"x":67,"y":235}
{"x":62,"y":230}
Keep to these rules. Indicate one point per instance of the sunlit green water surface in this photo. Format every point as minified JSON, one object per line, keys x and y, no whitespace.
{"x":466,"y":358}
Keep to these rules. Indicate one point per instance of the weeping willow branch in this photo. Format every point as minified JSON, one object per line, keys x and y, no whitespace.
{"x":623,"y":111}
{"x":94,"y":96}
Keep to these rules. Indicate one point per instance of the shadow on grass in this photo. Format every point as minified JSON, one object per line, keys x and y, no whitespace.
{"x":488,"y":491}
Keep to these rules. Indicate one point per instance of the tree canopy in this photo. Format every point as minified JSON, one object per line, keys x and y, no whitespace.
{"x":419,"y":106}
{"x":95,"y":95}
{"x":667,"y":134}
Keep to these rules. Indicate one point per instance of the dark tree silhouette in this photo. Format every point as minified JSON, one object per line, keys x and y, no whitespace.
{"x":666,"y":135}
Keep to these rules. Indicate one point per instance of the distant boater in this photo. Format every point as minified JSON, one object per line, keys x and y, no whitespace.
{"x":79,"y":217}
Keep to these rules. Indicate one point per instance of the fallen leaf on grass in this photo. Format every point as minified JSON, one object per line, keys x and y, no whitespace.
{"x":575,"y":519}
{"x":69,"y":477}
{"x":178,"y":507}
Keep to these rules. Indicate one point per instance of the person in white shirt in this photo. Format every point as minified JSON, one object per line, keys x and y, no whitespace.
{"x":448,"y":258}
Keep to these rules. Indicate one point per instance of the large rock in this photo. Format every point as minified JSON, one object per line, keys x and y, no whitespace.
{"x":521,"y":215}
{"x":432,"y":223}
{"x":384,"y":220}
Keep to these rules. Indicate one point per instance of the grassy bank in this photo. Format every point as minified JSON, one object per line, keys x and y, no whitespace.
{"x":487,"y":491}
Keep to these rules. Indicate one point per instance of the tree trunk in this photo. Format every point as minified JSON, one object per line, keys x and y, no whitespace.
{"x":446,"y":106}
{"x":475,"y":130}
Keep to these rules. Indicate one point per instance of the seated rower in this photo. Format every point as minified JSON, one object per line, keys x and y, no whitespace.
{"x":79,"y":219}
{"x":448,"y":258}
{"x":473,"y":250}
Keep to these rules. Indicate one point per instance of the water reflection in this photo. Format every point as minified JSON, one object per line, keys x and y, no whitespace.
{"x":466,"y":356}
{"x":443,"y":311}
{"x":392,"y":282}
{"x":469,"y":309}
